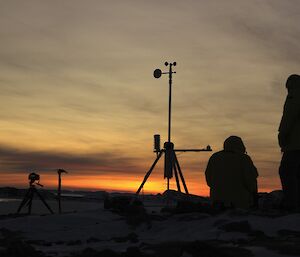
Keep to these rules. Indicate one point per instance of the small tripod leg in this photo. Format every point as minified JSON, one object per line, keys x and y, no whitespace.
{"x":24,"y":201}
{"x":149,"y":172}
{"x":176,"y":176}
{"x":44,"y":202}
{"x":30,"y":201}
{"x":181,"y":175}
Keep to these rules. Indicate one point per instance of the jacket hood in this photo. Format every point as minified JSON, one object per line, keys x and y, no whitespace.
{"x":234,"y":144}
{"x":293,"y":85}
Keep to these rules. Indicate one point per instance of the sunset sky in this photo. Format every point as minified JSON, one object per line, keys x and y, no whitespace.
{"x":77,"y":87}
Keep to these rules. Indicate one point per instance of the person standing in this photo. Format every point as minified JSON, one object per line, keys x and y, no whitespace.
{"x":289,"y":142}
{"x":232,"y":176}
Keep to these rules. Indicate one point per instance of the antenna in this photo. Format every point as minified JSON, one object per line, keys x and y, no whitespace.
{"x":157,"y":74}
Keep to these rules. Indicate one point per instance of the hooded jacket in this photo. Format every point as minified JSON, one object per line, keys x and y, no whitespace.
{"x":231,"y":175}
{"x":289,"y":128}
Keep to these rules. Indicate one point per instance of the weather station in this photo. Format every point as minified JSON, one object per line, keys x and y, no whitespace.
{"x":171,"y":163}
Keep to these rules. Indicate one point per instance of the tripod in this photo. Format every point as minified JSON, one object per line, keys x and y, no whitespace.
{"x":171,"y":165}
{"x":29,"y":197}
{"x":171,"y":161}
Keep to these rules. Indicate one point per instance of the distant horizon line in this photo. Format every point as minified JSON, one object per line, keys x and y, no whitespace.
{"x":112,"y":190}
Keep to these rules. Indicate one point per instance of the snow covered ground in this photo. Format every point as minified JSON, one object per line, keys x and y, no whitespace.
{"x":87,"y":229}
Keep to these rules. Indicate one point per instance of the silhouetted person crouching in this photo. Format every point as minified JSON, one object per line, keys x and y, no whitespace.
{"x":289,"y":142}
{"x":231,"y":175}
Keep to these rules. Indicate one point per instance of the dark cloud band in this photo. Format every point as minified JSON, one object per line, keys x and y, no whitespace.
{"x":19,"y":160}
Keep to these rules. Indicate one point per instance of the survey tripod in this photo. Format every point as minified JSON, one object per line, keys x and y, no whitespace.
{"x":171,"y":165}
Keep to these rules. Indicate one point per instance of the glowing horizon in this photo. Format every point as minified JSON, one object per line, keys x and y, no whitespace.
{"x":155,"y":184}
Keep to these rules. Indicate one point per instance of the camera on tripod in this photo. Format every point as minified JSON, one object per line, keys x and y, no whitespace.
{"x":34,"y":178}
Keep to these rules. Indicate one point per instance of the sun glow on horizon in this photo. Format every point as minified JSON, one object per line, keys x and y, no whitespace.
{"x":107,"y":183}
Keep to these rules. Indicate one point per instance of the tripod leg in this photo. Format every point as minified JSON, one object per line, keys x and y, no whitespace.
{"x":176,"y":176}
{"x":44,"y":202}
{"x":30,"y":202}
{"x":24,"y":201}
{"x":149,"y":172}
{"x":181,"y":175}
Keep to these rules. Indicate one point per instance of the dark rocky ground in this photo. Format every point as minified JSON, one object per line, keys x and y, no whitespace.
{"x":286,"y":243}
{"x":250,"y":239}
